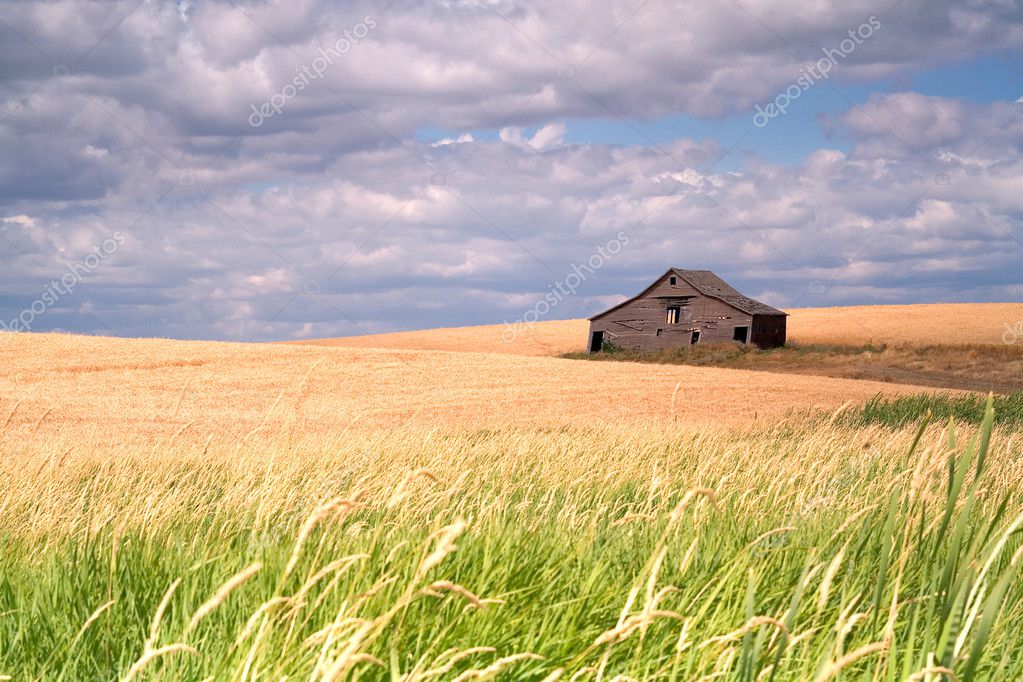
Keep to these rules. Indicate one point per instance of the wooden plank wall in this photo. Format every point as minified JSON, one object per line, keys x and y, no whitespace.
{"x":641,"y":325}
{"x":768,"y":331}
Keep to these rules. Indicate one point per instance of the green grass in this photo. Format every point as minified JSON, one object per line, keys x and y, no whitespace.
{"x":899,"y":411}
{"x":609,"y":554}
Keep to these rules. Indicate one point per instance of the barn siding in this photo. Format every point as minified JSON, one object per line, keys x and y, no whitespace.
{"x":768,"y":331}
{"x":641,"y":325}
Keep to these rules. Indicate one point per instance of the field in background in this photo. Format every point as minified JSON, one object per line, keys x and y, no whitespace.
{"x":552,"y":338}
{"x":187,"y":511}
{"x":58,"y":386}
{"x":918,"y":324}
{"x":930,"y":324}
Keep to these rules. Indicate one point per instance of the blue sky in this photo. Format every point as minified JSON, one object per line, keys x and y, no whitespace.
{"x":804,"y":129}
{"x":274,"y":170}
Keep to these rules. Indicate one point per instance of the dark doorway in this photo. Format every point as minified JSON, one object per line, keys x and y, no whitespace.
{"x":596,"y":342}
{"x":696,"y":337}
{"x":741,"y":334}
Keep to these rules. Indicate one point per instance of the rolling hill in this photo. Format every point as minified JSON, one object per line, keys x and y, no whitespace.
{"x":64,"y":386}
{"x":937,"y":323}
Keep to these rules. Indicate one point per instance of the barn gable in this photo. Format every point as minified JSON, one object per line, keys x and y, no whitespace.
{"x":702,"y":282}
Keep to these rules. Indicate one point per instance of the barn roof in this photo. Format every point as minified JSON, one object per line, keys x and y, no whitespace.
{"x":708,"y":284}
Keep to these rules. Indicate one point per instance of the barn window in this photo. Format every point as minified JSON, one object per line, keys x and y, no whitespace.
{"x":696,"y":337}
{"x":741,"y":334}
{"x":672,"y":280}
{"x":673,"y":314}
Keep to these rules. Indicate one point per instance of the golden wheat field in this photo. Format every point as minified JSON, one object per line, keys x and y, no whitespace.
{"x":60,"y":385}
{"x":181,"y":510}
{"x":940,"y":323}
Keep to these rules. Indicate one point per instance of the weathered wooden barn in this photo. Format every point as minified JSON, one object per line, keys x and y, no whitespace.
{"x":684,"y":307}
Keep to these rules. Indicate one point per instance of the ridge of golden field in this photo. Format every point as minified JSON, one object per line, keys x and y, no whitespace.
{"x":69,"y":388}
{"x":920,"y":323}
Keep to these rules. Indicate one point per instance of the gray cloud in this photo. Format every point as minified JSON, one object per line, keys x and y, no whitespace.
{"x":332,"y":218}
